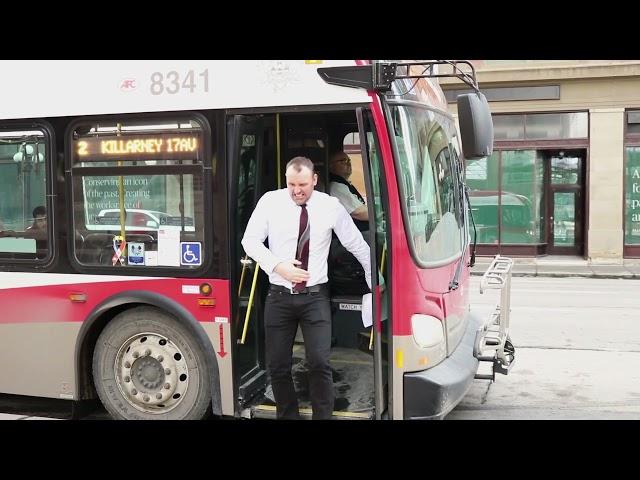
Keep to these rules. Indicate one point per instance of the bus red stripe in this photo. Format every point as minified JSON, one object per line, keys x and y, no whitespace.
{"x":51,"y":303}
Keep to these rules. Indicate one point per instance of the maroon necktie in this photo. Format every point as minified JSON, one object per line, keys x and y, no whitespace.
{"x":302,"y":252}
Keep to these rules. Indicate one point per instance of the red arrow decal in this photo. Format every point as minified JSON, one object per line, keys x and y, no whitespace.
{"x":222,"y":353}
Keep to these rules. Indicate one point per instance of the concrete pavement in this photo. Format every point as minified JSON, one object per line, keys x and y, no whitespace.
{"x":8,"y":416}
{"x":577,"y":352}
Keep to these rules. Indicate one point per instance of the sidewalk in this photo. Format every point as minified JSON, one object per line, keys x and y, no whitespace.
{"x":9,"y":416}
{"x":563,"y":266}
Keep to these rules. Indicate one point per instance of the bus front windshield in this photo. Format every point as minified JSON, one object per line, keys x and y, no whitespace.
{"x":426,"y":160}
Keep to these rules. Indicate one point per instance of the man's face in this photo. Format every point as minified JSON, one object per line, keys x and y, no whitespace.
{"x":341,"y":165}
{"x":41,"y":221}
{"x":300,"y":184}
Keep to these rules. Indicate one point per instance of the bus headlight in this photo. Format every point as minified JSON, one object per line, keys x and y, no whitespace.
{"x":427,"y":330}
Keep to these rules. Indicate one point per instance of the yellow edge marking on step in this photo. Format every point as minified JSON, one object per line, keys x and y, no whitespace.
{"x":308,"y":411}
{"x":355,"y":362}
{"x":400,"y":358}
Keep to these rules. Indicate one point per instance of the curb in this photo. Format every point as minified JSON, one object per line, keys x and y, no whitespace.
{"x":623,"y":276}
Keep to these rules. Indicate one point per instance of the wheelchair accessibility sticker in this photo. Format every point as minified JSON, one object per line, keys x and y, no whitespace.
{"x":190,"y":253}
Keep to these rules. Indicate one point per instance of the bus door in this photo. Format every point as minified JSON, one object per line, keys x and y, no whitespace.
{"x":250,"y":140}
{"x":380,"y":340}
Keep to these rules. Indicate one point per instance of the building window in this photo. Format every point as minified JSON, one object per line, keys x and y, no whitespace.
{"x":632,"y":196}
{"x":506,"y":193}
{"x":482,"y":179}
{"x":541,"y":126}
{"x":521,"y":197}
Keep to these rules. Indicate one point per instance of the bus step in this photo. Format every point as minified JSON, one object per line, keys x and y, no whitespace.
{"x":269,"y":412}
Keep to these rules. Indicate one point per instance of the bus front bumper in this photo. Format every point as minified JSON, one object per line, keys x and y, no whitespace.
{"x":431,"y":394}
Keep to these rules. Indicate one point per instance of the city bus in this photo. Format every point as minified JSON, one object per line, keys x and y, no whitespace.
{"x":125,"y":190}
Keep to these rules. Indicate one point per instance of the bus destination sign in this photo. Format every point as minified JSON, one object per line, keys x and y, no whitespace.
{"x":133,"y":147}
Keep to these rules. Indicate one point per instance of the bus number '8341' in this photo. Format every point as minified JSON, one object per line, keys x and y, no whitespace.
{"x":172,"y":82}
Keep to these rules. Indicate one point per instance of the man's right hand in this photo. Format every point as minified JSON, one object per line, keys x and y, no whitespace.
{"x":290,"y":272}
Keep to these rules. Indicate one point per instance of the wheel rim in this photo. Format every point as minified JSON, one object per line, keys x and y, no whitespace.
{"x":151,"y":373}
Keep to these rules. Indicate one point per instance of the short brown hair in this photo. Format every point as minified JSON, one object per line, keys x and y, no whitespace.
{"x":298,"y":162}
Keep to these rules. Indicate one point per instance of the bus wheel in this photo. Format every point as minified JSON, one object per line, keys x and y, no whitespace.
{"x":147,"y":365}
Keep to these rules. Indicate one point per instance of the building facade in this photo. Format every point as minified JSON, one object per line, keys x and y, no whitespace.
{"x":564,"y":178}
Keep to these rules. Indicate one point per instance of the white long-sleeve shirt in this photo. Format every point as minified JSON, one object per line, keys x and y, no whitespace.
{"x":277,"y":217}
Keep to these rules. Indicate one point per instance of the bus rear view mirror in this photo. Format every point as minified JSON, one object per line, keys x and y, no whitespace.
{"x":476,"y":125}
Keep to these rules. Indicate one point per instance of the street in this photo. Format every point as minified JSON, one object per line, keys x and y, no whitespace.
{"x":577,"y":352}
{"x":577,"y":356}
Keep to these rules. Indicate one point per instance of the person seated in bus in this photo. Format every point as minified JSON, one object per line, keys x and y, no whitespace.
{"x":38,"y":229}
{"x":341,"y":188}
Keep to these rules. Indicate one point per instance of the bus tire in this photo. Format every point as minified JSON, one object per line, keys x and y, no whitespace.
{"x":147,"y":366}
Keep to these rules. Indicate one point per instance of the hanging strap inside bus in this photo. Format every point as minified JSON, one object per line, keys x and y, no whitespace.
{"x":379,"y":76}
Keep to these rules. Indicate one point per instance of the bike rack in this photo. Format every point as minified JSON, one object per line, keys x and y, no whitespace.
{"x":494,"y":334}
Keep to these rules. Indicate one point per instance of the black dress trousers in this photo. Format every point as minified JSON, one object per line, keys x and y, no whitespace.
{"x":283,"y":311}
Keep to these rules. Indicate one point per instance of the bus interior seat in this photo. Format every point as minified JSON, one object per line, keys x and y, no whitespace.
{"x":92,"y":247}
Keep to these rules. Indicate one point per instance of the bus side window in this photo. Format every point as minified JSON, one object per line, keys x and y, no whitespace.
{"x":24,"y":229}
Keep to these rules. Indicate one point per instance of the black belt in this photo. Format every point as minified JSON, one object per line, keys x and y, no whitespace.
{"x":311,"y":289}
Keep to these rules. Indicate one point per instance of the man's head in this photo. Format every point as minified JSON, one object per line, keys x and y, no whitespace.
{"x":300,"y":179}
{"x":340,"y":164}
{"x":40,"y":217}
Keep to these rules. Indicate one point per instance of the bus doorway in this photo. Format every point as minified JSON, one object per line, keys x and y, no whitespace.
{"x":259,"y":148}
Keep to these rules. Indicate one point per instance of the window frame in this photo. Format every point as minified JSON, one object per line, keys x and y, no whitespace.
{"x":37,"y":264}
{"x":204,"y":169}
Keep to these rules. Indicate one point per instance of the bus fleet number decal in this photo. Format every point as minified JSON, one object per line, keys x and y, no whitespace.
{"x":172,"y":82}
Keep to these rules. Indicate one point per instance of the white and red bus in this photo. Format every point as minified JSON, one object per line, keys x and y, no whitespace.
{"x":125,"y":189}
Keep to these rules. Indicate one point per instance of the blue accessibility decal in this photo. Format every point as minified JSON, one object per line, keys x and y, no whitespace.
{"x":190,"y":253}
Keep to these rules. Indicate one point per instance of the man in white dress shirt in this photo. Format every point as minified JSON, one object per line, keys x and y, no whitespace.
{"x":298,"y":222}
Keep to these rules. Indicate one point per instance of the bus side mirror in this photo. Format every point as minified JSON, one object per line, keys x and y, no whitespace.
{"x":476,"y":125}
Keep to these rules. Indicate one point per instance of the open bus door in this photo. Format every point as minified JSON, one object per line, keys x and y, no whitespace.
{"x":380,"y":334}
{"x":250,"y":155}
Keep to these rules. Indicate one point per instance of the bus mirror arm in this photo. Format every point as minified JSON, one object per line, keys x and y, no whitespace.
{"x":472,"y":260}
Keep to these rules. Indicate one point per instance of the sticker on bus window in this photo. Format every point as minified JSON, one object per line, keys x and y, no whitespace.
{"x":151,"y":258}
{"x":136,"y":253}
{"x":190,"y":253}
{"x":169,"y":247}
{"x":119,"y":247}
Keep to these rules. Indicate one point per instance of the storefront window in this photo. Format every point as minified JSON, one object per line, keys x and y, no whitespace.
{"x":521,"y":194}
{"x":632,"y":196}
{"x":482,"y":179}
